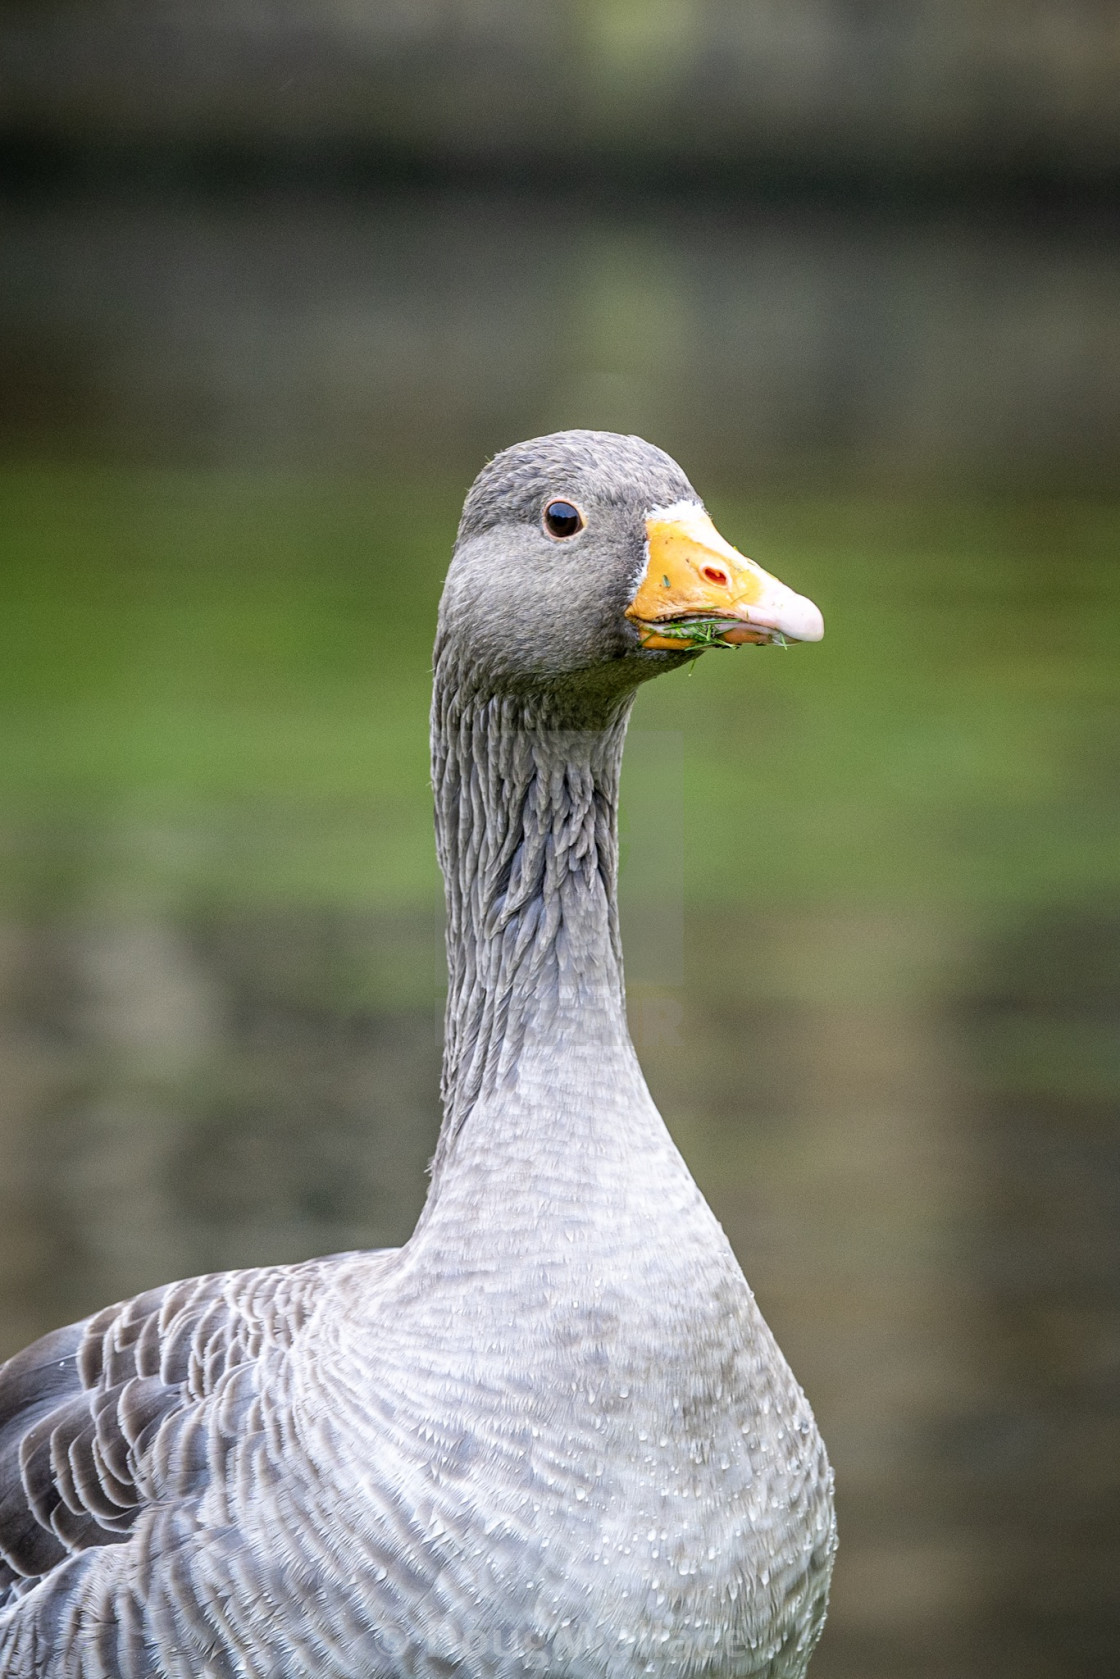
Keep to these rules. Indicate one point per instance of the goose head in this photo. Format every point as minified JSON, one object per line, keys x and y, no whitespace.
{"x":586,"y":559}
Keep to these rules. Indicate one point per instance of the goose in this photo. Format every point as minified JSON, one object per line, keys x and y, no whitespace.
{"x":552,"y":1432}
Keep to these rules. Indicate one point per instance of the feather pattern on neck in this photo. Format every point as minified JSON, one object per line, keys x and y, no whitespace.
{"x":526,"y":825}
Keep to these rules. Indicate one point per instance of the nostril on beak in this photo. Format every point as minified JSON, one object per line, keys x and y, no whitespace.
{"x":715,"y":575}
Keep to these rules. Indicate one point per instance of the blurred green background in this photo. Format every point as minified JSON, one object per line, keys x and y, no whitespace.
{"x":274,"y":281}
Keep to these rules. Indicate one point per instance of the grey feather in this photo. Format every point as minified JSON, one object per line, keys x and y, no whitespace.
{"x":552,"y":1431}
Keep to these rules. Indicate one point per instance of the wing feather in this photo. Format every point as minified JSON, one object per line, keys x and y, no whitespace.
{"x":82,"y":1411}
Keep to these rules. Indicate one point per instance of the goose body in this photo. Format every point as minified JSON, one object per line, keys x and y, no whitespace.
{"x":552,"y":1433}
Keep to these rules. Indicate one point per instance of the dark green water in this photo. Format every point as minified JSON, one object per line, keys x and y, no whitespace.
{"x":872,"y":895}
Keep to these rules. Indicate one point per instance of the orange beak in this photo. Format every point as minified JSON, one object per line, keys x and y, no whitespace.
{"x":698,"y":591}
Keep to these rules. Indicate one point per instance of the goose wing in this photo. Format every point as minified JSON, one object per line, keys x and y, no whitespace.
{"x":81,"y":1409}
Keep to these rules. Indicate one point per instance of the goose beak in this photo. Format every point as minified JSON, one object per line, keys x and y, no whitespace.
{"x":698,"y":591}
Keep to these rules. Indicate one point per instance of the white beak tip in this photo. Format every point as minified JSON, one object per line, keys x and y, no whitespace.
{"x":805,"y":620}
{"x":794,"y":615}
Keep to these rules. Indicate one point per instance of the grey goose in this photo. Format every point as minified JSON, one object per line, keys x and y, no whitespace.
{"x":552,"y":1433}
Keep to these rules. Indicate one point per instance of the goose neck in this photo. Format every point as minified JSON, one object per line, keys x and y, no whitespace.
{"x":526,"y":829}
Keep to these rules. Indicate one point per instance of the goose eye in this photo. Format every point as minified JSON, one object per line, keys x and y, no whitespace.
{"x":561,"y":519}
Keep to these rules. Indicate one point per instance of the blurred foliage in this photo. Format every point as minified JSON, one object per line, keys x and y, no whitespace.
{"x":216,"y":687}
